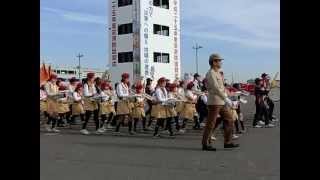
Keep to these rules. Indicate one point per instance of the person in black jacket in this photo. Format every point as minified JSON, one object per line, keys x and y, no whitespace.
{"x":261,"y":108}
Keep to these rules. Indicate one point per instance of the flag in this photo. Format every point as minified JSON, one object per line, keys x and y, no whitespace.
{"x":44,"y":75}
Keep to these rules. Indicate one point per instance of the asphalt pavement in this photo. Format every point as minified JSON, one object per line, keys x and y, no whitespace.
{"x":71,"y":156}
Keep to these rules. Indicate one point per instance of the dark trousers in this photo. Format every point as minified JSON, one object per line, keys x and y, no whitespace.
{"x":261,"y":112}
{"x":202,"y":115}
{"x":104,"y":118}
{"x":271,"y":107}
{"x":81,"y":117}
{"x":95,"y":118}
{"x":160,"y":123}
{"x":120,"y":121}
{"x":52,"y":120}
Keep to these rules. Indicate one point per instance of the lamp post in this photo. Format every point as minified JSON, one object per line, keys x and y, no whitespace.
{"x":79,"y":67}
{"x":197,"y":48}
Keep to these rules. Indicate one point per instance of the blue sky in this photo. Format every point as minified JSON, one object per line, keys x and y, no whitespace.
{"x":245,"y":32}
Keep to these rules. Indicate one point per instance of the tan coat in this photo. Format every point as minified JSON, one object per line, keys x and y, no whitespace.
{"x":216,"y":89}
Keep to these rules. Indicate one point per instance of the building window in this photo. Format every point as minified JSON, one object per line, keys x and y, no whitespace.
{"x":125,"y":57}
{"x":161,"y":3}
{"x":157,"y":57}
{"x":125,"y":29}
{"x":160,"y":30}
{"x":161,"y":57}
{"x":165,"y":58}
{"x":124,"y":3}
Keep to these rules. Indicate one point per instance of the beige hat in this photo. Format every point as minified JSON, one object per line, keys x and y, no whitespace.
{"x":215,"y":56}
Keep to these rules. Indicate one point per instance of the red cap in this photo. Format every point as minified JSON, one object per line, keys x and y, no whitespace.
{"x":172,"y":86}
{"x":62,"y":88}
{"x":73,"y":79}
{"x":105,"y":85}
{"x":90,"y":75}
{"x":161,"y":80}
{"x":79,"y":85}
{"x":125,"y":76}
{"x":139,"y":87}
{"x":190,"y":85}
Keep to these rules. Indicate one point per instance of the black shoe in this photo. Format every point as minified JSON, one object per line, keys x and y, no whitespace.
{"x":208,"y":148}
{"x":232,"y":145}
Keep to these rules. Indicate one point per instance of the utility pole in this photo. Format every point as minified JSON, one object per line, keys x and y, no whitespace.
{"x":79,"y":67}
{"x":197,"y":48}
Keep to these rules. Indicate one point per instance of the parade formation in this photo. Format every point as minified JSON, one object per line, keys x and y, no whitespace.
{"x":167,"y":107}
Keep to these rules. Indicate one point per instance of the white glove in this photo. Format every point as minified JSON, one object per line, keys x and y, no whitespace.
{"x":228,"y":102}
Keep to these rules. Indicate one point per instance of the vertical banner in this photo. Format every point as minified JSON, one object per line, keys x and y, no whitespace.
{"x":114,"y":54}
{"x":146,"y":15}
{"x":136,"y":38}
{"x":176,"y":35}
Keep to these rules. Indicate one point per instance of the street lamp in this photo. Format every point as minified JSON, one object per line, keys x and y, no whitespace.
{"x":79,"y":67}
{"x":197,"y":48}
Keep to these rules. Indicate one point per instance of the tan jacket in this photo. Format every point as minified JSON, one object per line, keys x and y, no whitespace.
{"x":216,"y":89}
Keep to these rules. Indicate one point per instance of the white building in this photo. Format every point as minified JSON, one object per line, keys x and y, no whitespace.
{"x":67,"y":72}
{"x":145,"y":39}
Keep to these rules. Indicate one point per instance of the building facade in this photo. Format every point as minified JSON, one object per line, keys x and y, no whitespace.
{"x":145,"y":39}
{"x":67,"y":72}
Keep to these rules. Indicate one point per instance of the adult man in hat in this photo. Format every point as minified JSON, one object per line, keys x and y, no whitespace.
{"x":218,"y":103}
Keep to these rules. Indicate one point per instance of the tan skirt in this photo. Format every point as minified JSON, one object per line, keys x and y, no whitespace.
{"x":158,"y":111}
{"x":52,"y":106}
{"x":179,"y":107}
{"x":172,"y":112}
{"x":43,"y":106}
{"x":62,"y":107}
{"x":77,"y":109}
{"x":124,"y":107}
{"x":90,"y":105}
{"x":106,"y":108}
{"x":189,"y":111}
{"x":138,"y":112}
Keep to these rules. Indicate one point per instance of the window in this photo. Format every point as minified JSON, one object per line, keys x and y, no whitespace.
{"x":156,"y":29}
{"x":125,"y":29}
{"x":58,"y":71}
{"x":125,"y":57}
{"x":63,"y":72}
{"x":71,"y":72}
{"x":161,"y":3}
{"x":165,"y":30}
{"x":161,"y":57}
{"x":160,"y":30}
{"x":124,"y":3}
{"x":157,"y":57}
{"x":165,"y":58}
